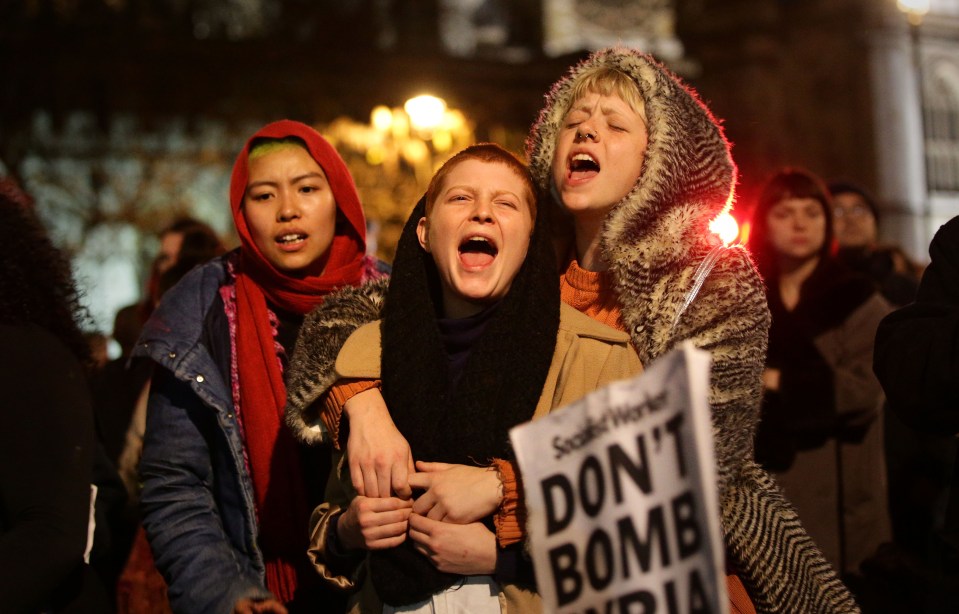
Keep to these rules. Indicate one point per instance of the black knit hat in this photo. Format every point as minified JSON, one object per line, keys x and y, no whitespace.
{"x":848,"y":187}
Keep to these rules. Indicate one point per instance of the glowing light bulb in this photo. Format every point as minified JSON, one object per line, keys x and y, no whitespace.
{"x":426,"y":112}
{"x":726,"y":226}
{"x":381,"y":118}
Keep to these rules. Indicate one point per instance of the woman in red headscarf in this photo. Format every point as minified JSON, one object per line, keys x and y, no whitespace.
{"x":225,"y":497}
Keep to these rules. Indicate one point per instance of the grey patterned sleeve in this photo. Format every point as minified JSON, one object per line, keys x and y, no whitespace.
{"x":312,"y":365}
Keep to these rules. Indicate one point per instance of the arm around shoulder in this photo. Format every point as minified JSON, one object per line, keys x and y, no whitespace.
{"x":312,"y":367}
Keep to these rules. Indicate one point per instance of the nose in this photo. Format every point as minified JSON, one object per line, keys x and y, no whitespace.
{"x":482,"y":210}
{"x":586,"y":134}
{"x":287,"y":207}
{"x":586,"y":131}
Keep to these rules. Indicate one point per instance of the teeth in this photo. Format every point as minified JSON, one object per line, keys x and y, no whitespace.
{"x":483,"y":239}
{"x":290,"y":238}
{"x":583,"y":156}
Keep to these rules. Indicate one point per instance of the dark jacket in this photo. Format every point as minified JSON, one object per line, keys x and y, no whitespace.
{"x":917,"y":347}
{"x":820,"y":433}
{"x":197,"y":498}
{"x":47,"y":449}
{"x":917,"y":357}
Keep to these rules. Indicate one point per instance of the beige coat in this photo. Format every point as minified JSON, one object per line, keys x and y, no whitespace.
{"x":588,"y":355}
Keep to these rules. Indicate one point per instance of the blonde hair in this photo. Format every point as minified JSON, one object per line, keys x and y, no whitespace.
{"x":607,"y":81}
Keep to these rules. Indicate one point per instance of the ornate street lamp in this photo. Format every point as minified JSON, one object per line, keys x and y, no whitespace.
{"x":915,"y":10}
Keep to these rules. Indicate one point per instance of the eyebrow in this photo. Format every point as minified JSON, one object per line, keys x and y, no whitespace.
{"x":605,"y":110}
{"x":296,"y":179}
{"x":473,"y":190}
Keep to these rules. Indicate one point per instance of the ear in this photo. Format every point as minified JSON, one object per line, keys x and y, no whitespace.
{"x":423,"y":233}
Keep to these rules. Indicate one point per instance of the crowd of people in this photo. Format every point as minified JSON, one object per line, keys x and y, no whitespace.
{"x":295,"y":426}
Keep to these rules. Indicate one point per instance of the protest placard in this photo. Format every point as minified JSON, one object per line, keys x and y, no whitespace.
{"x":622,"y":499}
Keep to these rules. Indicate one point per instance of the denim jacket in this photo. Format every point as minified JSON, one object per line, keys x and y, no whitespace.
{"x":197,"y":500}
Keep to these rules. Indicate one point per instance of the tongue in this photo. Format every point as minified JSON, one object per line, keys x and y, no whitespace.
{"x":475,"y":259}
{"x":582,"y":175}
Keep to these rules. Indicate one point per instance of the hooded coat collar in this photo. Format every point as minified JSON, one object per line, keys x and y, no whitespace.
{"x":687,"y":180}
{"x":688,"y":172}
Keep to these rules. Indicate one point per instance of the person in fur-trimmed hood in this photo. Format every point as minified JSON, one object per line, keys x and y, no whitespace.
{"x":638,"y":168}
{"x":643,"y":242}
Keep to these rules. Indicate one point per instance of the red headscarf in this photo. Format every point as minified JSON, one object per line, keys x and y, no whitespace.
{"x":273,"y":456}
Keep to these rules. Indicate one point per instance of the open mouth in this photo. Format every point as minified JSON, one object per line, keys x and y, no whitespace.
{"x":290,"y":238}
{"x":477,"y":251}
{"x":583,"y":166}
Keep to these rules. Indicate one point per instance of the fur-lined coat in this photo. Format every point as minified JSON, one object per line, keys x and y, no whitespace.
{"x":655,"y":240}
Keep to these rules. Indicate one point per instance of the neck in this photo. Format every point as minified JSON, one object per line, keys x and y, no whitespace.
{"x":455,"y":307}
{"x":588,"y":254}
{"x":792,"y":274}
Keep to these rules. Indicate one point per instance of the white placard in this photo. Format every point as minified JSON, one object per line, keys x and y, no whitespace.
{"x":622,"y":499}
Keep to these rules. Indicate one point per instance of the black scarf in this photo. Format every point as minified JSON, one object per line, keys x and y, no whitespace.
{"x":498,"y":389}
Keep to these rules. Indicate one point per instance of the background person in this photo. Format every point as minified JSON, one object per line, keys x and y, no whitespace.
{"x":856,"y":226}
{"x":917,"y":362}
{"x":47,"y":441}
{"x":820,"y":433}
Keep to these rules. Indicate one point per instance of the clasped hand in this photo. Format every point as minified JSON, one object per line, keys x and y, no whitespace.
{"x":442,"y":522}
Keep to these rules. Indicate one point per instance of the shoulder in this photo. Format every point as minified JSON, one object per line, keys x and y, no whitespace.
{"x":734,"y":264}
{"x":732,"y":288}
{"x":374,"y":268}
{"x":360,"y":355}
{"x":184,"y":306}
{"x":29,"y":349}
{"x":348,"y":306}
{"x":588,"y":355}
{"x":948,"y":234}
{"x":209,"y":275}
{"x":943,"y":270}
{"x":37,"y":370}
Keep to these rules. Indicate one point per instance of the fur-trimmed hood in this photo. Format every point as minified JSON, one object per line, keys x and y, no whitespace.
{"x":688,"y":173}
{"x":654,"y":238}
